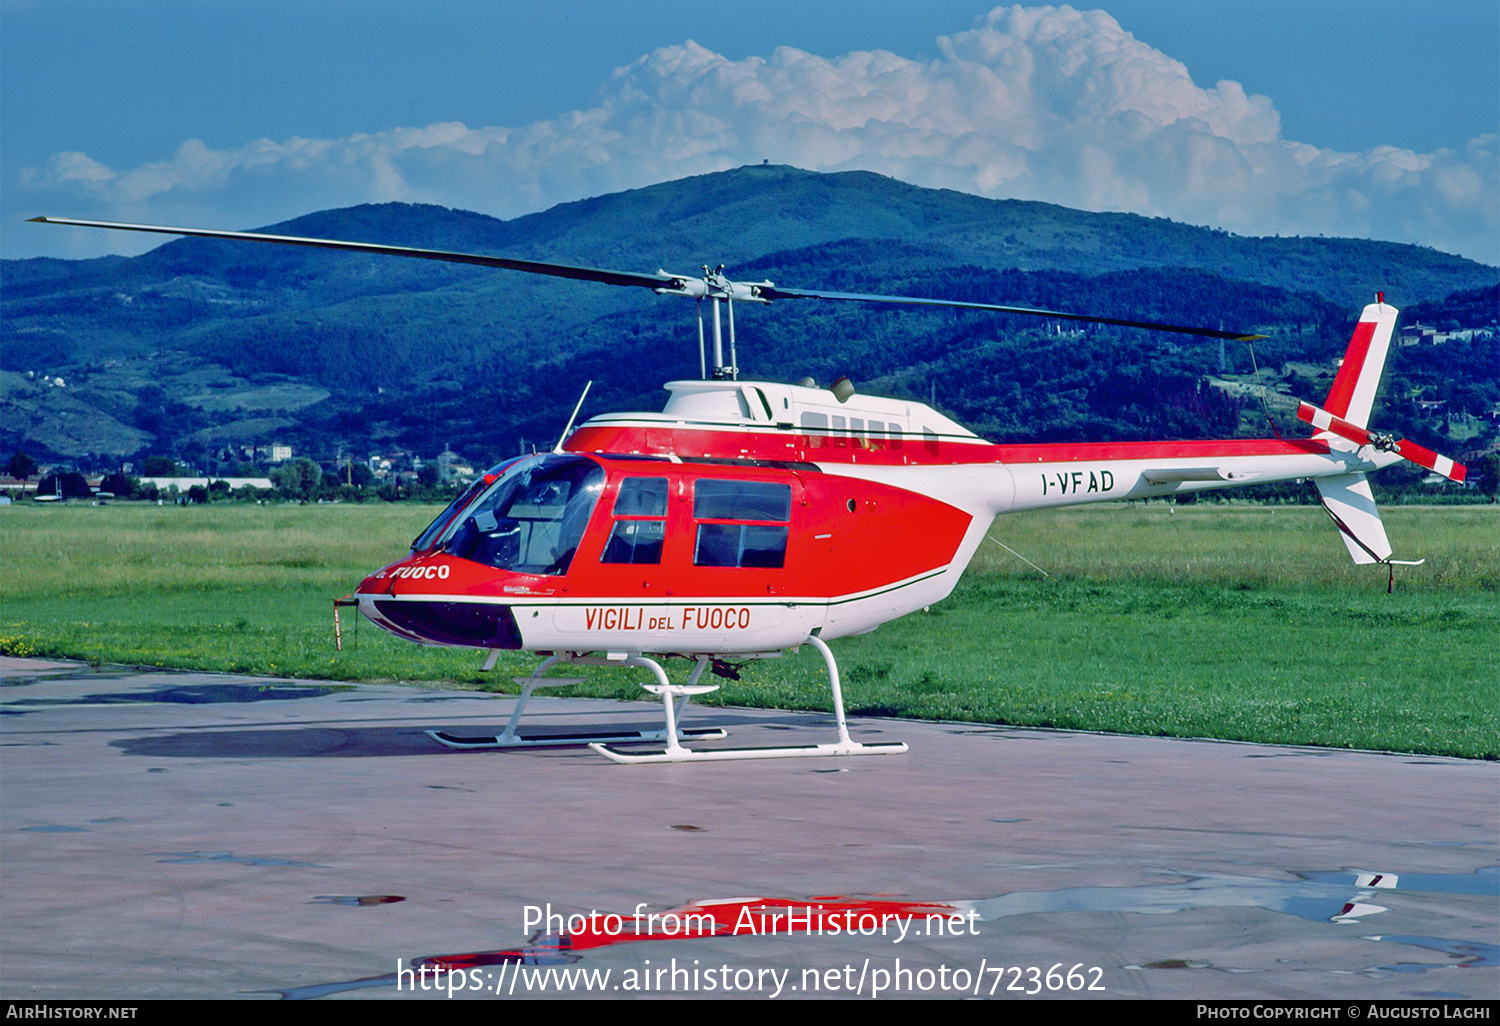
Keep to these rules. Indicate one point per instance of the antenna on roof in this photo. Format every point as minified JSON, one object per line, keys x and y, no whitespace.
{"x":568,"y":430}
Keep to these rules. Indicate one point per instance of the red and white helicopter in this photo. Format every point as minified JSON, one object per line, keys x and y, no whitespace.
{"x":751,"y":517}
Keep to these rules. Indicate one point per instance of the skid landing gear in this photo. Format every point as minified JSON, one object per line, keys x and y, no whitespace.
{"x":674,"y":752}
{"x":509,"y":738}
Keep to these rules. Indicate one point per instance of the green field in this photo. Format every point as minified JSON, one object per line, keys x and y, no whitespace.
{"x":1241,"y":622}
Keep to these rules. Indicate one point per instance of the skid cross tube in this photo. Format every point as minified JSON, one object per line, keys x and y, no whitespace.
{"x":674,"y":752}
{"x":510,"y":738}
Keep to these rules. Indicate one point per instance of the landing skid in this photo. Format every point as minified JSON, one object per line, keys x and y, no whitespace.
{"x":674,"y":752}
{"x":677,"y":753}
{"x":601,"y":737}
{"x":509,"y":738}
{"x":675,"y":698}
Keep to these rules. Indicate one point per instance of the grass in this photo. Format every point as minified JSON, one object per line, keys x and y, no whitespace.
{"x":1239,"y":622}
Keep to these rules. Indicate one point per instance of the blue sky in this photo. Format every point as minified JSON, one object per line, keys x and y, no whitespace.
{"x":1371,"y":118}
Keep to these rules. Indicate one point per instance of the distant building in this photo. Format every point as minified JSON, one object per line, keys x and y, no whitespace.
{"x":453,"y":467}
{"x":1415,"y":334}
{"x":274,"y":453}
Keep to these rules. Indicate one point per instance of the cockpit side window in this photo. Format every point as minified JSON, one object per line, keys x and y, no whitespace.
{"x":533,"y":518}
{"x":640,"y":526}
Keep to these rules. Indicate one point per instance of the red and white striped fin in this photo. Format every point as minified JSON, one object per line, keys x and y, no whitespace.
{"x":1352,"y":509}
{"x":1422,"y":456}
{"x":1353,"y":392}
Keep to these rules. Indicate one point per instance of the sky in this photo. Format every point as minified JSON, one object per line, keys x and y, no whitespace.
{"x":1369,"y":118}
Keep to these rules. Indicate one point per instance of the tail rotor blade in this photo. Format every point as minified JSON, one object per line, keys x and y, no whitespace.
{"x":1403,"y":447}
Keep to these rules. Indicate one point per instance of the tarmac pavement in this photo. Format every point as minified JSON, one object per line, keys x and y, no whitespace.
{"x":168,"y":834}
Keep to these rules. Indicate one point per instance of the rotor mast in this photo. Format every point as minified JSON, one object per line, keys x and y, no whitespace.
{"x":722,"y":292}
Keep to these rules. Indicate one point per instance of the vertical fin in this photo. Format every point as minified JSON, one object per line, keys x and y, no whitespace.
{"x":1350,"y":505}
{"x":1353,"y":391}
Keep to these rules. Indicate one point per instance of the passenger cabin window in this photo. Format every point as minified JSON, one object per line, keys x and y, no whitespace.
{"x":817,"y":421}
{"x":640,"y":526}
{"x":741,"y":523}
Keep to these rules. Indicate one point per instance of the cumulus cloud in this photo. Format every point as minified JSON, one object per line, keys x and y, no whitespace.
{"x":1046,"y":103}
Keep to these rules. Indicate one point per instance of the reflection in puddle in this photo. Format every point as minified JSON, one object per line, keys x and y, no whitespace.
{"x":1482,"y":882}
{"x":1335,"y":898}
{"x":1317,"y":897}
{"x":359,"y":900}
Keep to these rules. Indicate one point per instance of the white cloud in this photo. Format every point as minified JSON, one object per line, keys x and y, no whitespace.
{"x":1036,"y":103}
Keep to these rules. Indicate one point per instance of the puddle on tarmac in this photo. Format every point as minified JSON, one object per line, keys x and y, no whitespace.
{"x":1320,"y":897}
{"x":66,"y":673}
{"x":229,"y":856}
{"x":363,"y":900}
{"x":204,"y":694}
{"x":53,"y":828}
{"x":1343,"y":897}
{"x":1465,"y":954}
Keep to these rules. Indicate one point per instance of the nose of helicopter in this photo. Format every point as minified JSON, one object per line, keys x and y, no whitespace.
{"x":418,"y":599}
{"x":471,"y":624}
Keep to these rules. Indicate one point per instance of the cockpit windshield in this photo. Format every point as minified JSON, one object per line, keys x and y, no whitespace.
{"x":532,"y":519}
{"x":429,"y":537}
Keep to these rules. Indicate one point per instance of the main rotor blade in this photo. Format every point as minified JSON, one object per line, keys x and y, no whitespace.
{"x":664,"y":283}
{"x":773,"y":292}
{"x":608,"y":277}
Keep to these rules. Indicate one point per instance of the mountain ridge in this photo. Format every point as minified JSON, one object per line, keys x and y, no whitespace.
{"x":204,"y":321}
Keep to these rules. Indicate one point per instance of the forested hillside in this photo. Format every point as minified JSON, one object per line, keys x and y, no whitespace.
{"x":198,"y":345}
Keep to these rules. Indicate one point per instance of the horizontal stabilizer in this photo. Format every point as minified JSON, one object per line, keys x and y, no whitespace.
{"x":1404,"y":447}
{"x":1350,"y":505}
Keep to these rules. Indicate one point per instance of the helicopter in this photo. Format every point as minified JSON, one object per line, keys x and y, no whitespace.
{"x":747,"y":518}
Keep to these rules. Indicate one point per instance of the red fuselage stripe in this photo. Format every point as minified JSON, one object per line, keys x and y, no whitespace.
{"x":1097,"y":451}
{"x":834,"y":449}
